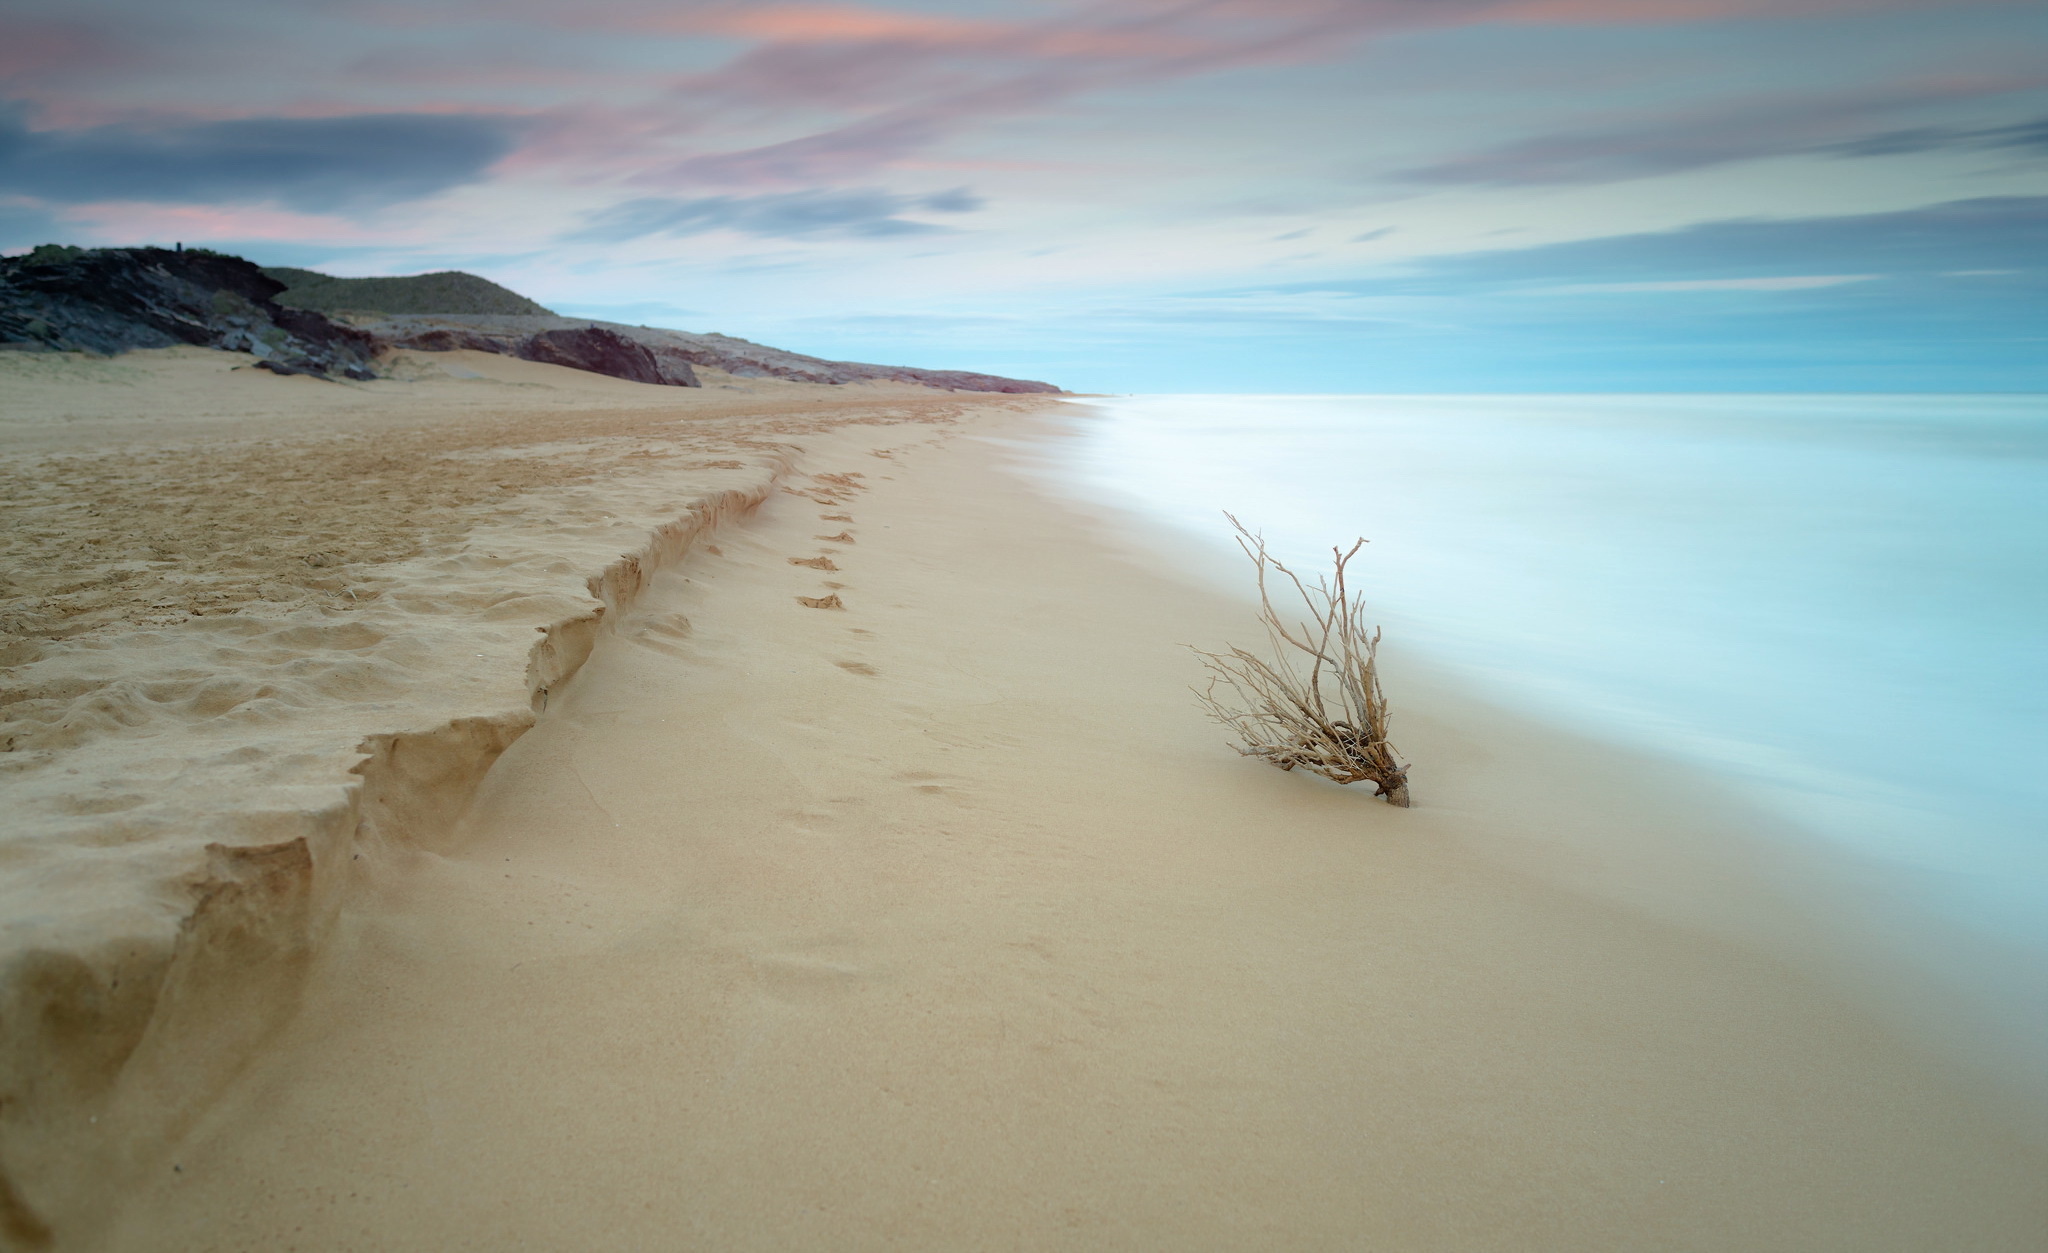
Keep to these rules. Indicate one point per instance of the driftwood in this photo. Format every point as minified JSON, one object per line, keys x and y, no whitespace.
{"x":1315,"y":702}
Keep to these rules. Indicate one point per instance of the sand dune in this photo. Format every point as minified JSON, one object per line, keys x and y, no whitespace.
{"x":939,"y":919}
{"x":223,"y":589}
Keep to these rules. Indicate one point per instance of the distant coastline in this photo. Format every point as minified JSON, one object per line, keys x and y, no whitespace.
{"x":110,"y":300}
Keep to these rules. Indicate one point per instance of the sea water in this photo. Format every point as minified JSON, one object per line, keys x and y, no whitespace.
{"x":1840,"y":602}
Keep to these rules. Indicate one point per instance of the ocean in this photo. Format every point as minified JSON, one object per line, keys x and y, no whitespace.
{"x":1838,"y":602}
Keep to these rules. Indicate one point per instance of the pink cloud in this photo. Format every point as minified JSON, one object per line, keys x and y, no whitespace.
{"x":850,"y":24}
{"x":818,"y":23}
{"x":1632,"y":12}
{"x":919,"y":79}
{"x":829,"y":91}
{"x":34,"y":51}
{"x":132,"y":220}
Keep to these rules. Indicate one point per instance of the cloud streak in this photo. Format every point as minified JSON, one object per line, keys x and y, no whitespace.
{"x":308,"y":164}
{"x":1781,"y":282}
{"x":866,"y":214}
{"x":2005,"y":233}
{"x":1744,"y":131}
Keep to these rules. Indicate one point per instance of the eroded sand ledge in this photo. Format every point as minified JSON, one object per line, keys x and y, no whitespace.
{"x":229,"y":593}
{"x":943,"y":921}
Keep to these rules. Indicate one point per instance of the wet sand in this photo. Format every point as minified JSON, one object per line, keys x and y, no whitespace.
{"x":942,"y":920}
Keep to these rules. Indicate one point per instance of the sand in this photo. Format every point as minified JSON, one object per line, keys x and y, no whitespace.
{"x":253,"y":625}
{"x":937,"y":918}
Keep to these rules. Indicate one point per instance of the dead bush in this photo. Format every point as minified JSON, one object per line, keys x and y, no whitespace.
{"x":1314,"y":701}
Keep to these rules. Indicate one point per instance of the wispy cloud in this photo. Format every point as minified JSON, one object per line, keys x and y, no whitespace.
{"x":867,"y":214}
{"x":2030,"y":136}
{"x":1841,"y":124}
{"x":41,"y":51}
{"x":308,"y":164}
{"x":2005,"y":233}
{"x":1783,"y":282}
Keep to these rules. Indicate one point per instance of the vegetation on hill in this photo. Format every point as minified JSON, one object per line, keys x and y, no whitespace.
{"x":446,"y":291}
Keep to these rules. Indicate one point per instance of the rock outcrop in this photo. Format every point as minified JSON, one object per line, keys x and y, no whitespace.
{"x":593,"y":348}
{"x":676,"y":351}
{"x":601,"y":352}
{"x":109,"y":300}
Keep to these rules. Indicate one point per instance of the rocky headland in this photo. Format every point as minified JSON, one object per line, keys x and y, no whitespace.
{"x":111,"y":300}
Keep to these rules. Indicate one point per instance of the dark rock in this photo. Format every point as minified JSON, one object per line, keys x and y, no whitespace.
{"x":587,"y":348}
{"x":109,"y":300}
{"x":678,"y":351}
{"x":445,"y":340}
{"x":596,"y":350}
{"x":285,"y":367}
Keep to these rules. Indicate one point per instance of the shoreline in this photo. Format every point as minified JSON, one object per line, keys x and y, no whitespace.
{"x":1019,"y":952}
{"x":1748,"y":871}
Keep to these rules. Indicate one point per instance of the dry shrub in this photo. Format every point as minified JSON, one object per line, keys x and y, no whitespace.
{"x":1315,"y":703}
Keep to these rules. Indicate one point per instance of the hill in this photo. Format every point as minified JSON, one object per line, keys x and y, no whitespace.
{"x":445,"y":291}
{"x":108,"y":300}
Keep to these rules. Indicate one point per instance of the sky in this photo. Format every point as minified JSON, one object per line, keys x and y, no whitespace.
{"x":1113,"y":195}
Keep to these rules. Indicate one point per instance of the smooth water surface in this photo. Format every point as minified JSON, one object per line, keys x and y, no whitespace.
{"x":1840,"y":600}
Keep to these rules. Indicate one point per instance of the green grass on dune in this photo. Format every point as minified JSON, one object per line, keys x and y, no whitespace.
{"x":447,"y":291}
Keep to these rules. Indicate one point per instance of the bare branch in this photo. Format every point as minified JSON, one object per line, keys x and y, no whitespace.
{"x":1331,"y":720}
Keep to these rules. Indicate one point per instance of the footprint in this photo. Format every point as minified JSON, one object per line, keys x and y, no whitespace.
{"x":841,"y":538}
{"x":661,"y":634}
{"x":931,"y":784}
{"x":814,"y":563}
{"x":856,"y":667}
{"x":673,"y":625}
{"x":821,"y":602}
{"x":835,"y":517}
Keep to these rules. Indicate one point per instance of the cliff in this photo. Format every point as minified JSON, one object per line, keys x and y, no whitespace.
{"x":109,"y":300}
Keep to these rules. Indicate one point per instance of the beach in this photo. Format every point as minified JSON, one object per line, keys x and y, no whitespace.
{"x":257,"y":627}
{"x":936,"y":917}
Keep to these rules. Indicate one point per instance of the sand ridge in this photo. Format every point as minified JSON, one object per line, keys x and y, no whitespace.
{"x":222,"y":587}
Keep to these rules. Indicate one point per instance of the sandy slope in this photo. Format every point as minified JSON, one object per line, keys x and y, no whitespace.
{"x":941,"y":921}
{"x":218,"y":589}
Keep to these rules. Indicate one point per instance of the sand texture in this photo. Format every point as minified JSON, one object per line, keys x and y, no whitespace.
{"x":876,"y":884}
{"x":255,"y":625}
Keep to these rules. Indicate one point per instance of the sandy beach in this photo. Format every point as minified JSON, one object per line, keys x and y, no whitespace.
{"x":253,"y":626}
{"x":876,"y":883}
{"x":936,"y":917}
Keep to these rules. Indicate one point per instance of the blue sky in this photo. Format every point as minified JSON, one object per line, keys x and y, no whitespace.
{"x":1117,"y":195}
